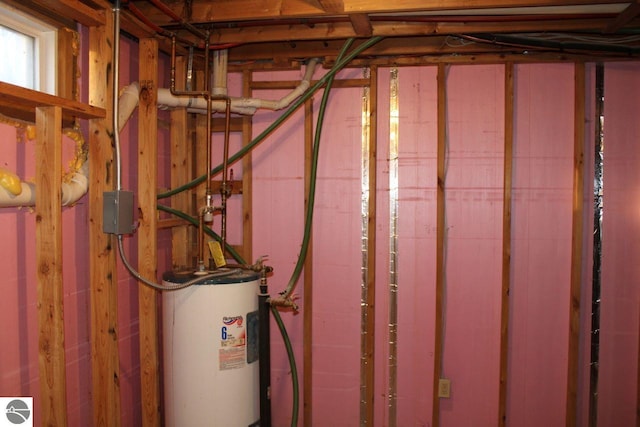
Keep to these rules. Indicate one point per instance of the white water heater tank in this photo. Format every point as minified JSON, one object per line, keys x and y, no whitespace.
{"x":210,"y":351}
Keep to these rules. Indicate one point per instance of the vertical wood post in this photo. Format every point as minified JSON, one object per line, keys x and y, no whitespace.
{"x":67,"y":63}
{"x":247,"y":185}
{"x":102,"y":261}
{"x":442,"y":138}
{"x":148,"y":231}
{"x":181,"y":172}
{"x":576,"y":244}
{"x":506,"y":241}
{"x":48,"y":208}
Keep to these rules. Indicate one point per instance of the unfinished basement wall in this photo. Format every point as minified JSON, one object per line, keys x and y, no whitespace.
{"x":19,"y":372}
{"x":542,"y":206}
{"x":540,"y":269}
{"x":128,"y":288}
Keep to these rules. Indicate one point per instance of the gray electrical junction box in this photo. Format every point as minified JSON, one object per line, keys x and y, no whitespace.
{"x":117,"y":212}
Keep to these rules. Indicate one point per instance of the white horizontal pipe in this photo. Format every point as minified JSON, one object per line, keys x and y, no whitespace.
{"x":78,"y":184}
{"x":245,"y":106}
{"x":127,"y":102}
{"x":71,"y":192}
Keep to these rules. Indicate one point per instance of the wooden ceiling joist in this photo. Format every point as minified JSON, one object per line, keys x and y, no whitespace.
{"x":332,"y":6}
{"x":361,"y":24}
{"x":342,"y":30}
{"x":250,"y":26}
{"x":218,"y":11}
{"x":629,"y":14}
{"x":63,"y":10}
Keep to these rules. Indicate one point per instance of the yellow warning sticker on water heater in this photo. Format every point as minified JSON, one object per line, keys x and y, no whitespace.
{"x":217,"y":254}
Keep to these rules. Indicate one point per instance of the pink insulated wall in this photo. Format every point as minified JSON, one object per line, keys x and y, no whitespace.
{"x":618,"y":380}
{"x":541,"y":254}
{"x":541,"y":251}
{"x":19,"y":369}
{"x":417,"y":159}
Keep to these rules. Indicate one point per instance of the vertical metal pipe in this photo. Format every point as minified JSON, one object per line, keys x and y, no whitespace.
{"x":207,"y":89}
{"x":188,"y":84}
{"x":116,"y":77}
{"x":206,"y":214}
{"x":172,"y":70}
{"x":224,"y":188}
{"x":264,"y":351}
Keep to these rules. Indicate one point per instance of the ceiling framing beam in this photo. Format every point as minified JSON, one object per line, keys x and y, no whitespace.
{"x":340,"y":30}
{"x":629,"y":14}
{"x":361,"y":24}
{"x":219,"y":11}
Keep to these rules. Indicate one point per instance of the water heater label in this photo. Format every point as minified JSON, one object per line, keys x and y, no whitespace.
{"x":233,"y":343}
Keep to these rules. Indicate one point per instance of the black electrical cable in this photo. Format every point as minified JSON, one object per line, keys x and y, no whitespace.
{"x":561,"y":46}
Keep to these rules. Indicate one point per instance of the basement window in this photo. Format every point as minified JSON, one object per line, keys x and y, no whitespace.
{"x":28,"y":49}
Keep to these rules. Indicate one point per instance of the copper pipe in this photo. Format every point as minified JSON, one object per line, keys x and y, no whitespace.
{"x":207,"y":90}
{"x":172,"y":75}
{"x":224,"y":191}
{"x":200,"y":262}
{"x":141,"y":16}
{"x":171,"y":14}
{"x":206,"y":214}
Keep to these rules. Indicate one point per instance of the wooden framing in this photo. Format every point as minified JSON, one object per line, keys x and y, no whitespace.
{"x":440,"y":240}
{"x":576,"y":244}
{"x":68,"y":45}
{"x":181,"y":172}
{"x":49,"y":260}
{"x":506,"y":241}
{"x":247,"y":200}
{"x":21,"y":103}
{"x":51,"y":112}
{"x":105,"y":361}
{"x":148,"y":232}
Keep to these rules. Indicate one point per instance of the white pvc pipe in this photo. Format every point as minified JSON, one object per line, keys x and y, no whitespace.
{"x":220,"y":72}
{"x":78,"y":184}
{"x":71,"y":192}
{"x":127,"y":103}
{"x":245,"y":106}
